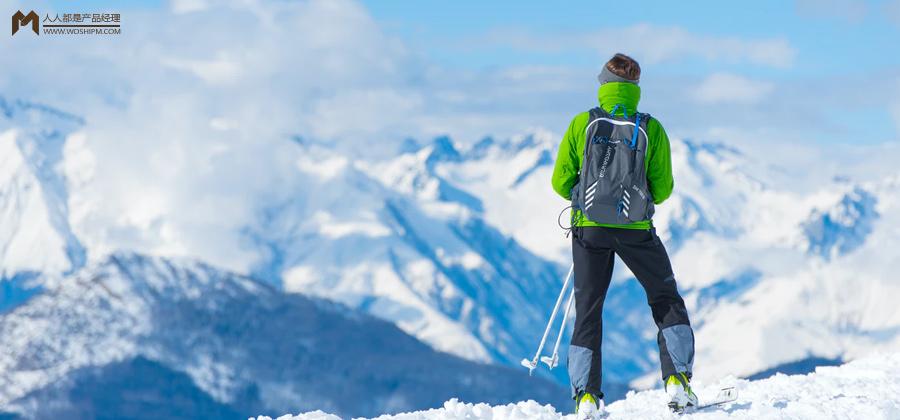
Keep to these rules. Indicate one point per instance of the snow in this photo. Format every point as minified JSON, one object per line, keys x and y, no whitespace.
{"x":747,"y":242}
{"x":25,"y":230}
{"x":363,"y":224}
{"x":35,"y":232}
{"x":459,"y":245}
{"x":232,"y":341}
{"x":863,"y":389}
{"x":326,"y":167}
{"x":512,"y":179}
{"x":395,"y":239}
{"x":286,"y":170}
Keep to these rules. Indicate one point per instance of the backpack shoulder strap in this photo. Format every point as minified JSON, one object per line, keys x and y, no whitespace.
{"x":593,"y":115}
{"x":645,"y":119}
{"x":638,"y":120}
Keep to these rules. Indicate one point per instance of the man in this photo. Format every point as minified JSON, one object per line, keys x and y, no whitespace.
{"x":629,"y":170}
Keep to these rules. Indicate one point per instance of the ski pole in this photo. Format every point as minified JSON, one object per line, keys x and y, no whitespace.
{"x":554,"y":360}
{"x":532,"y":364}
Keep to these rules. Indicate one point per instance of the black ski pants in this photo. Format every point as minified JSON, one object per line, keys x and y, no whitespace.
{"x":593,"y":249}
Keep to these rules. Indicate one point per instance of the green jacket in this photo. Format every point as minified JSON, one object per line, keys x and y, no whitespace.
{"x":571,"y":151}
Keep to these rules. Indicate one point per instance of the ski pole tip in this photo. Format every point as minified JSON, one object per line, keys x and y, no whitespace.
{"x":530,"y":365}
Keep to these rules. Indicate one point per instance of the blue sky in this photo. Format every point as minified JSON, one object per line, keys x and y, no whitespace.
{"x":195,"y":94}
{"x":775,"y":70}
{"x":824,"y":33}
{"x":852,"y":44}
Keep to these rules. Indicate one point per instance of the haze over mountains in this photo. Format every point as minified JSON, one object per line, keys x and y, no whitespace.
{"x":455,"y":245}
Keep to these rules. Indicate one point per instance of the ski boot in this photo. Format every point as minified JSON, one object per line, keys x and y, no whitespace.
{"x":588,"y":406}
{"x":678,"y":387}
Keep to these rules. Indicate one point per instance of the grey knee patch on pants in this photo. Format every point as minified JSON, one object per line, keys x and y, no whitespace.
{"x":680,"y":346}
{"x":579,"y":367}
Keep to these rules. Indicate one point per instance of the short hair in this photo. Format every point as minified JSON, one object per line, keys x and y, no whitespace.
{"x":624,"y":66}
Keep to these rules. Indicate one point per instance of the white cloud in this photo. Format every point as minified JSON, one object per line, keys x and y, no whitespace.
{"x":362,"y":113}
{"x":662,"y":44}
{"x":185,"y":139}
{"x":852,"y":11}
{"x":654,"y":44}
{"x":219,"y":70}
{"x":724,"y":88}
{"x":187,"y":6}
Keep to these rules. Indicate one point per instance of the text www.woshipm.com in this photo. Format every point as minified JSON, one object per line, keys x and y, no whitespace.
{"x":82,"y":31}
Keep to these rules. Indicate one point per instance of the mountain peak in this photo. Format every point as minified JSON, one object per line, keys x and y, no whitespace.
{"x":24,"y":110}
{"x":712,"y":147}
{"x":409,"y":145}
{"x":442,"y":150}
{"x":222,"y":335}
{"x":842,"y":227}
{"x":34,"y":202}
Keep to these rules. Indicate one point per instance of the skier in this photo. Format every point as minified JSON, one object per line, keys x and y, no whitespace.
{"x":628,"y":171}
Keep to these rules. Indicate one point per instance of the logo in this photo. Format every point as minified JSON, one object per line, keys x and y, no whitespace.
{"x":20,"y":19}
{"x":597,"y":139}
{"x":88,"y":24}
{"x":640,"y":191}
{"x":606,"y":159}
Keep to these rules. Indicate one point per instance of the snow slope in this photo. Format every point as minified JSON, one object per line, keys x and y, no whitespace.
{"x":397,"y":241}
{"x":35,"y":235}
{"x":747,"y":243}
{"x":210,"y":341}
{"x":459,"y":245}
{"x":863,"y":389}
{"x":434,"y":268}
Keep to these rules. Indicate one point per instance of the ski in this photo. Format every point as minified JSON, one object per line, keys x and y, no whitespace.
{"x":725,"y":395}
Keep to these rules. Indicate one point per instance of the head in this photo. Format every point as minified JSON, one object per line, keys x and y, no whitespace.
{"x":620,"y":68}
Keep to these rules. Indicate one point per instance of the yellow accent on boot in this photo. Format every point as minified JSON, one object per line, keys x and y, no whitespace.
{"x":678,"y":387}
{"x":589,"y":407}
{"x":587,"y":396}
{"x":686,"y":383}
{"x":680,"y":379}
{"x":674,"y":380}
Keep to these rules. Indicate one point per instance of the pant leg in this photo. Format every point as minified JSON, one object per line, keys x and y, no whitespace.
{"x":593,"y":259}
{"x":644,"y":253}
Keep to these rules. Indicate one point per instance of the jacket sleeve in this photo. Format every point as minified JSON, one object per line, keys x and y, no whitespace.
{"x":659,"y":162}
{"x":565,"y":172}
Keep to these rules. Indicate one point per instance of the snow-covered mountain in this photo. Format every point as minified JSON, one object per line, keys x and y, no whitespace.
{"x":35,"y":235}
{"x":745,"y":245}
{"x":144,"y":337}
{"x":400,"y":242}
{"x":459,"y":246}
{"x":863,"y":389}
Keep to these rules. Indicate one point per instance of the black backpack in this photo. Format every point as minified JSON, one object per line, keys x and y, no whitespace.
{"x":612,"y":183}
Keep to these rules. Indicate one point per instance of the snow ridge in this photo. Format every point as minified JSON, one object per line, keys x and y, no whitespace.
{"x":459,"y":247}
{"x":242,"y":346}
{"x":401,"y":242}
{"x":863,"y":389}
{"x":35,"y":235}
